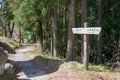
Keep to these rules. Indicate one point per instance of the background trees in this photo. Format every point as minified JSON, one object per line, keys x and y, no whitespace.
{"x":50,"y":22}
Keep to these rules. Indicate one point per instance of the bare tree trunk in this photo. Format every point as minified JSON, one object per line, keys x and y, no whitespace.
{"x":40,"y":36}
{"x":71,"y":38}
{"x":64,"y":16}
{"x":21,"y":37}
{"x":20,"y":34}
{"x":99,"y":36}
{"x":83,"y":20}
{"x":39,"y":29}
{"x":5,"y":30}
{"x":51,"y":41}
{"x":54,"y":31}
{"x":10,"y":28}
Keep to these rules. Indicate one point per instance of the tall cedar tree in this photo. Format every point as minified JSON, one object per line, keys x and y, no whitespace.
{"x":99,"y":36}
{"x":54,"y":31}
{"x":71,"y":38}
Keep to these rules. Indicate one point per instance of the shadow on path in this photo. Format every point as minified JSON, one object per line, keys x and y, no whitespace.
{"x":36,"y":67}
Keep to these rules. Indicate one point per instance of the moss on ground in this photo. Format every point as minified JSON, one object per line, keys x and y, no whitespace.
{"x":10,"y":41}
{"x":7,"y":76}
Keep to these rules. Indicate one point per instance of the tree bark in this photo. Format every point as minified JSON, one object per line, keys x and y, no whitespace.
{"x":83,"y":20}
{"x":20,"y":34}
{"x":51,"y":42}
{"x":5,"y":30}
{"x":10,"y":28}
{"x":64,"y":16}
{"x":39,"y":28}
{"x":21,"y":37}
{"x":40,"y":36}
{"x":86,"y":49}
{"x":99,"y":36}
{"x":54,"y":31}
{"x":71,"y":38}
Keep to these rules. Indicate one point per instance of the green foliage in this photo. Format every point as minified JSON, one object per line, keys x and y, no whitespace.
{"x":7,"y":12}
{"x":97,"y":68}
{"x":1,"y":32}
{"x":28,"y":13}
{"x":25,"y":14}
{"x":100,"y":68}
{"x":111,"y":29}
{"x":31,"y":38}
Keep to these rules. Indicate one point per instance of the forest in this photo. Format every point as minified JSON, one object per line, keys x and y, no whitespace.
{"x":49,"y":23}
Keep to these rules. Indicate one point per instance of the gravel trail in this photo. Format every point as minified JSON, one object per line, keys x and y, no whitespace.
{"x":25,"y":67}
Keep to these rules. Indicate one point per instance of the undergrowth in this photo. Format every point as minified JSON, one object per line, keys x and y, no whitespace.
{"x":7,"y":76}
{"x":97,"y":68}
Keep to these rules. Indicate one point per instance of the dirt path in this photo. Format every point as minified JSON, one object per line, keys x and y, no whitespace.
{"x":29,"y":66}
{"x":26,"y":69}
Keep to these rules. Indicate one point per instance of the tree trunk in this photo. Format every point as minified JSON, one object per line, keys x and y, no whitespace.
{"x":21,"y":37}
{"x":20,"y":34}
{"x":64,"y":16}
{"x":10,"y":28}
{"x":40,"y":36}
{"x":99,"y":36}
{"x":71,"y":38}
{"x":5,"y":30}
{"x":54,"y":31}
{"x":83,"y":20}
{"x":51,"y":41}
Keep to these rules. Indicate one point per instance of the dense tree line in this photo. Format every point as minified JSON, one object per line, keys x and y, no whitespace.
{"x":50,"y":23}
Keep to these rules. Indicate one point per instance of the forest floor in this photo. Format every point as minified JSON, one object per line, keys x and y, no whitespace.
{"x":30,"y":66}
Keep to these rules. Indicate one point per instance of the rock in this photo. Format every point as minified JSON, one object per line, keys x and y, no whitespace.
{"x":72,"y":64}
{"x":9,"y":68}
{"x":3,"y":60}
{"x":6,"y":47}
{"x":12,"y":42}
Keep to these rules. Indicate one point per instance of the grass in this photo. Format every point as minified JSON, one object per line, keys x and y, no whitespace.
{"x":48,"y":56}
{"x":97,"y":68}
{"x":100,"y":68}
{"x":79,"y":67}
{"x":95,"y":72}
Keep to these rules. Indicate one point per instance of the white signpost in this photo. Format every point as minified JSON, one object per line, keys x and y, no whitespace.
{"x":85,"y":31}
{"x":90,"y":30}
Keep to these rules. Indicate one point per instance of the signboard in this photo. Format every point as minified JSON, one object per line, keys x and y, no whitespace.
{"x":86,"y":30}
{"x":90,"y":30}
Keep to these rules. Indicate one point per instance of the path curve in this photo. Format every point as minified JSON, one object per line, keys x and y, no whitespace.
{"x":30,"y":67}
{"x":26,"y":69}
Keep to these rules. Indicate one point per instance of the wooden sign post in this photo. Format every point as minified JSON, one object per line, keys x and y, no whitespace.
{"x":85,"y":49}
{"x":85,"y":31}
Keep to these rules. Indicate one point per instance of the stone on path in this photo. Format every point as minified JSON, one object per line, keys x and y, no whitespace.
{"x":9,"y":68}
{"x":72,"y":64}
